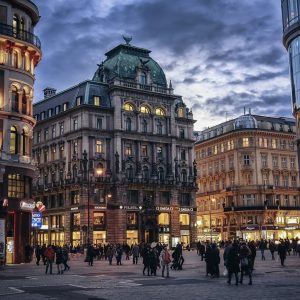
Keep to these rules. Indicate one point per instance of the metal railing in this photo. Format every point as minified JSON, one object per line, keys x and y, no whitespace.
{"x":22,"y":35}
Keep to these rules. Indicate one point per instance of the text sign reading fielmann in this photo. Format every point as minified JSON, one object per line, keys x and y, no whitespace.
{"x":36,"y":220}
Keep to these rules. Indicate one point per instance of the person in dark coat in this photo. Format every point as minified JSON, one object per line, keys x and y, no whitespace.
{"x":153,"y":261}
{"x":215,"y":257}
{"x":38,"y":253}
{"x":90,"y":255}
{"x":65,"y":257}
{"x":146,"y":260}
{"x":59,"y":260}
{"x":202,"y":251}
{"x":233,"y":263}
{"x":209,"y":260}
{"x":272,"y":249}
{"x":245,"y":257}
{"x":252,"y":247}
{"x":119,"y":252}
{"x":282,"y":252}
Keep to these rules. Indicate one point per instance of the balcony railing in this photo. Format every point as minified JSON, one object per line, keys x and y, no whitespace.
{"x":22,"y":35}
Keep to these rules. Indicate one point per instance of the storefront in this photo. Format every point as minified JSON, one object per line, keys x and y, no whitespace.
{"x":99,"y":227}
{"x":164,"y":228}
{"x":132,"y":236}
{"x":250,"y":233}
{"x":289,"y":232}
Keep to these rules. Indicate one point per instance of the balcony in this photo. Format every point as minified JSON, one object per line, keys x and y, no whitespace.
{"x":22,"y":35}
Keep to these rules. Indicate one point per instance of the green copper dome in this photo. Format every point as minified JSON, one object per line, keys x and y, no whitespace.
{"x":127,"y":62}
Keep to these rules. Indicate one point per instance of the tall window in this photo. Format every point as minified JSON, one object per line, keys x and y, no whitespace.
{"x":14,"y":99}
{"x":46,"y":134}
{"x":144,"y":126}
{"x":274,"y":143}
{"x":24,"y":103}
{"x":184,"y":219}
{"x":160,"y":112}
{"x":181,"y":133}
{"x":292,"y":162}
{"x":159,"y":127}
{"x":182,"y":155}
{"x":15,"y":59}
{"x":61,"y":128}
{"x":246,"y":160}
{"x":132,"y":218}
{"x":180,"y":112}
{"x":164,"y":219}
{"x":276,"y":180}
{"x":264,"y":160}
{"x":99,"y":218}
{"x":159,"y":152}
{"x":161,"y":174}
{"x":275,"y":161}
{"x":128,"y":149}
{"x":145,"y":173}
{"x":75,"y":147}
{"x":99,"y":146}
{"x":129,"y":172}
{"x":97,"y":100}
{"x":13,"y":145}
{"x":25,"y":142}
{"x":143,"y":78}
{"x":16,"y":25}
{"x":283,"y":162}
{"x":99,"y":123}
{"x":144,"y":150}
{"x":75,"y":197}
{"x":245,"y":142}
{"x":76,"y":219}
{"x":128,"y":124}
{"x":183,"y":176}
{"x":65,"y":106}
{"x":53,"y":131}
{"x":16,"y":186}
{"x":75,"y":123}
{"x":78,"y":101}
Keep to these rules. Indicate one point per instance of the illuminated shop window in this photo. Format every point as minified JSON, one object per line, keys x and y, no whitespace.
{"x":99,"y":218}
{"x":132,"y":218}
{"x":163,"y":219}
{"x":184,"y":219}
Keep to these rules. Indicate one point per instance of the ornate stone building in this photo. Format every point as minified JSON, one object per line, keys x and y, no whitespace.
{"x":115,"y":156}
{"x":248,"y":179}
{"x":20,"y":52}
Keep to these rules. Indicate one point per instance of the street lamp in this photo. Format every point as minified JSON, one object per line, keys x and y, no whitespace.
{"x":210,"y":203}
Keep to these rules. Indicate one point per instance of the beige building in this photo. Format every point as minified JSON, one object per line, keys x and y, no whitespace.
{"x":248,"y":179}
{"x":115,"y":157}
{"x":20,"y":52}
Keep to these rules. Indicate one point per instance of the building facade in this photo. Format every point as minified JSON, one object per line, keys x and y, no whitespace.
{"x":248,"y":179}
{"x":291,"y":41}
{"x":115,"y":157}
{"x":20,"y":52}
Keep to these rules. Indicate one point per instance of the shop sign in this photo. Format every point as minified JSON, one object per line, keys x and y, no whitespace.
{"x":74,"y":208}
{"x":186,"y":209}
{"x":269,"y":227}
{"x":184,"y":232}
{"x":249,"y":228}
{"x":131,"y":207}
{"x":36,"y":220}
{"x":216,"y":230}
{"x":292,"y":220}
{"x":164,"y":208}
{"x":2,"y":240}
{"x":100,"y":207}
{"x":291,"y":228}
{"x":27,"y":205}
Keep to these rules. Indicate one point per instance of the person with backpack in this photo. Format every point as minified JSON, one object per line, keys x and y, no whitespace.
{"x":165,"y":261}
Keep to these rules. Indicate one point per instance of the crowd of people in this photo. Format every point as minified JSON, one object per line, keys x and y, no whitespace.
{"x":238,"y":256}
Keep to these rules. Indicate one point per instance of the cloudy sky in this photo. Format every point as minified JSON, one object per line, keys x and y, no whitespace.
{"x":221,"y":55}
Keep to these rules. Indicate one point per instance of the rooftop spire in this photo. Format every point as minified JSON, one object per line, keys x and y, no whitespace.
{"x":127,"y":39}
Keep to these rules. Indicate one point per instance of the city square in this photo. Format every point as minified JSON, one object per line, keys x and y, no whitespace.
{"x":270,"y":281}
{"x":149,"y":149}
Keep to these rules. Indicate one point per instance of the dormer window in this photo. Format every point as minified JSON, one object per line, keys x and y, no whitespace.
{"x":57,"y":108}
{"x":65,"y":106}
{"x":128,"y":106}
{"x":78,"y":101}
{"x":143,"y":78}
{"x":180,"y":112}
{"x":97,"y":100}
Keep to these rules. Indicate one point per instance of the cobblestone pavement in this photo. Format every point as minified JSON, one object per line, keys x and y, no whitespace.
{"x":28,"y":281}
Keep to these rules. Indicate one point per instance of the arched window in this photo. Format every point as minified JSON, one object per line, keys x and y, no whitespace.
{"x":128,"y":124}
{"x":160,"y":112}
{"x":22,"y":25}
{"x":13,"y":144}
{"x":161,"y":174}
{"x":144,"y":126}
{"x":143,"y":78}
{"x":183,"y":176}
{"x":15,"y":62}
{"x":145,"y":109}
{"x":182,"y":155}
{"x":129,"y":173}
{"x":181,"y":133}
{"x":75,"y":173}
{"x":24,"y":103}
{"x":14,"y":99}
{"x":27,"y":62}
{"x":159,"y":127}
{"x":128,"y":106}
{"x":25,"y":142}
{"x":145,"y":173}
{"x":16,"y":25}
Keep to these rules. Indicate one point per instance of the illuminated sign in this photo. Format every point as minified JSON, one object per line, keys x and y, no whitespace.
{"x":130,"y":207}
{"x":36,"y":221}
{"x":28,"y":205}
{"x":164,"y":208}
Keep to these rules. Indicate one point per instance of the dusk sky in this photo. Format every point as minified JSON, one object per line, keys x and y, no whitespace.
{"x":221,"y":55}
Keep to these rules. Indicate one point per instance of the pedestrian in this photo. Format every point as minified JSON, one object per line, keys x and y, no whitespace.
{"x":38,"y":253}
{"x":119,"y":252}
{"x":245,"y":256}
{"x":282,"y":252}
{"x":233,"y":263}
{"x":110,"y":253}
{"x":272,"y":249}
{"x":146,"y":260}
{"x":165,"y":260}
{"x":202,"y":251}
{"x":262,"y":247}
{"x":252,"y":247}
{"x":215,"y":260}
{"x":90,"y":255}
{"x":209,"y":260}
{"x":49,"y":257}
{"x":153,"y":261}
{"x":135,"y":253}
{"x":59,"y":260}
{"x":65,"y":257}
{"x":225,"y":254}
{"x":42,"y":253}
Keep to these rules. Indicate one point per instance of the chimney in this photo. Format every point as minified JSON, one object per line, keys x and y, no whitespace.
{"x":249,"y":111}
{"x":49,"y":92}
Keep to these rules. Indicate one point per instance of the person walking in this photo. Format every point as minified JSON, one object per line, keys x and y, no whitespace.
{"x":202,"y":251}
{"x":282,"y":252}
{"x":262,"y":247}
{"x":215,"y":260}
{"x":245,"y":256}
{"x":90,"y":254}
{"x":272,"y":249}
{"x":228,"y":246}
{"x":252,"y":247}
{"x":165,"y":261}
{"x":146,"y":260}
{"x":65,"y":257}
{"x":38,"y":253}
{"x":59,"y":260}
{"x":119,"y":252}
{"x":233,"y":263}
{"x":49,"y":257}
{"x":110,"y":253}
{"x":135,"y":254}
